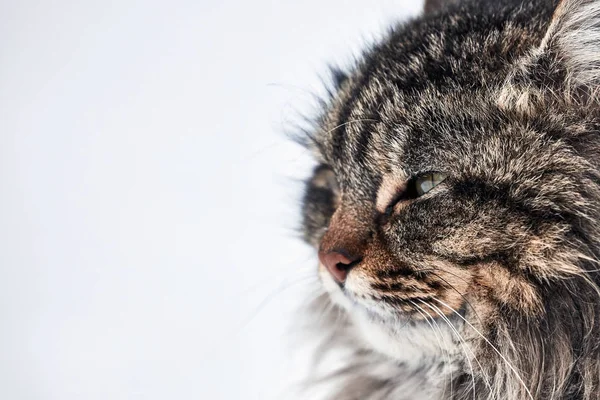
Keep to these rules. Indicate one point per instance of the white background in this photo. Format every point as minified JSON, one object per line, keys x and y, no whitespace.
{"x":149,"y":197}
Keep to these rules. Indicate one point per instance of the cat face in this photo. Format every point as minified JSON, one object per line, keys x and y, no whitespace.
{"x":453,"y":182}
{"x":436,"y":210}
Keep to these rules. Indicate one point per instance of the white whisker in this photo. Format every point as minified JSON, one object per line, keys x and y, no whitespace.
{"x":513,"y":369}
{"x":425,"y":315}
{"x":460,"y":338}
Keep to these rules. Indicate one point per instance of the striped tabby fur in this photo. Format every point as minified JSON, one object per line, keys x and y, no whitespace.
{"x":486,"y":287}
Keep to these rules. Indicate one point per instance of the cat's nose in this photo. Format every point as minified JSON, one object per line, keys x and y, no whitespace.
{"x":338,"y":263}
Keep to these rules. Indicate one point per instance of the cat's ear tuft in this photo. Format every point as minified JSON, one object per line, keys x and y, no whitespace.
{"x":566,"y":64}
{"x":573,"y":40}
{"x":338,"y":76}
{"x":334,"y":81}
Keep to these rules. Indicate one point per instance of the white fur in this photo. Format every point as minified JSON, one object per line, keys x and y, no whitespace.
{"x":416,"y":345}
{"x":575,"y":30}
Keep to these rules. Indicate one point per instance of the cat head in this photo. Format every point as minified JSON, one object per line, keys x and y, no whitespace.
{"x":458,"y":176}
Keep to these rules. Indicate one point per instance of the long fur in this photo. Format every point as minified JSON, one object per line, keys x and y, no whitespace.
{"x":488,"y":287}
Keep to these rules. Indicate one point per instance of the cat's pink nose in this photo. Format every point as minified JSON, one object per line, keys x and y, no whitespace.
{"x":338,"y":263}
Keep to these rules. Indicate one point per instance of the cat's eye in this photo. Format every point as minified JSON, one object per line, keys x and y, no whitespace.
{"x":415,"y":187}
{"x":426,"y":182}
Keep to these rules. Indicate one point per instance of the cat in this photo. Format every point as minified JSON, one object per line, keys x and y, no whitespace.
{"x":455,"y":208}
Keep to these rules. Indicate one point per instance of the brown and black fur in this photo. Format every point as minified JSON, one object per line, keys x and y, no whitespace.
{"x":503,"y":96}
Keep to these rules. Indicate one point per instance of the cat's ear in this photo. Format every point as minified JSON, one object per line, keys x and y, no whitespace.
{"x":433,"y":6}
{"x":565,"y":65}
{"x":573,"y":41}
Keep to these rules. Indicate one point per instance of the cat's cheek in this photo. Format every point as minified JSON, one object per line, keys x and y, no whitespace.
{"x":509,"y":289}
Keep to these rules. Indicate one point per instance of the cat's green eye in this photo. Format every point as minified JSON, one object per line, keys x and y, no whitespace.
{"x":425,"y":183}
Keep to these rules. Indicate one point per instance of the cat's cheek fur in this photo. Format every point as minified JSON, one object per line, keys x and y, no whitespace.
{"x":512,"y":292}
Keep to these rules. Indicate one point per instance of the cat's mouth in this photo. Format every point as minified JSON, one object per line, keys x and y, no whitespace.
{"x":360,"y":294}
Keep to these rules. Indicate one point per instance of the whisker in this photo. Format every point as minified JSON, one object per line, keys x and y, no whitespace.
{"x":459,"y":293}
{"x":439,"y":340}
{"x":460,"y":338}
{"x":491,"y":345}
{"x":270,"y":297}
{"x":286,"y":270}
{"x":349,"y":122}
{"x":432,"y":271}
{"x":485,"y":377}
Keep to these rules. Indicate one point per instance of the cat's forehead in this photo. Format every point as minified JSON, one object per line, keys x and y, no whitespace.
{"x":368,"y":138}
{"x":415,"y":96}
